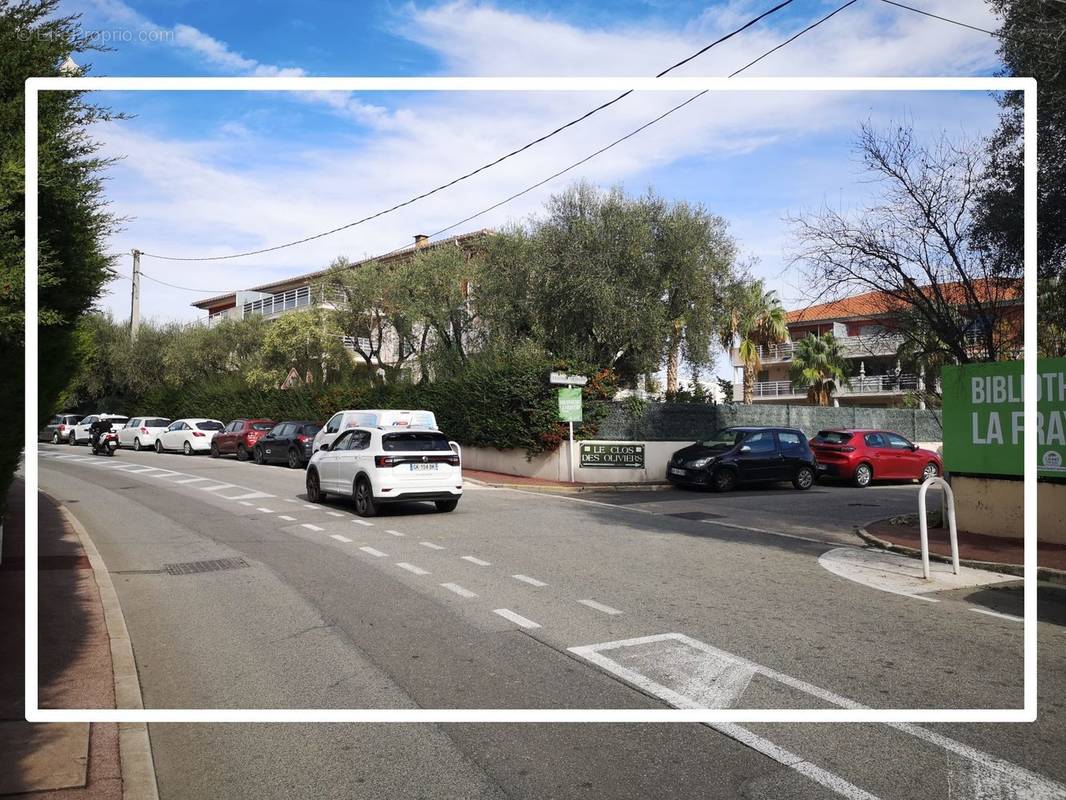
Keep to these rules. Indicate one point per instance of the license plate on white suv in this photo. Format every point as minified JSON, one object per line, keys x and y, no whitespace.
{"x":424,"y":467}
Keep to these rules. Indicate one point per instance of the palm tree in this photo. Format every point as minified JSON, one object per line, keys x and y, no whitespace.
{"x":757,"y":319}
{"x":818,"y":367}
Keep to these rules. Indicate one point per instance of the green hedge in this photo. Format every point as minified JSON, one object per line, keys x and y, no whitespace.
{"x":503,"y":404}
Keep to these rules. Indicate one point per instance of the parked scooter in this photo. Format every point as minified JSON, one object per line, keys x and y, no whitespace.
{"x":102,"y":440}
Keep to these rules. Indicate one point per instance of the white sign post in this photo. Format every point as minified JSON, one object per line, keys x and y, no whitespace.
{"x":562,"y":379}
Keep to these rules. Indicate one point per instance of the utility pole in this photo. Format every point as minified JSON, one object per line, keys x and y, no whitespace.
{"x":135,"y":295}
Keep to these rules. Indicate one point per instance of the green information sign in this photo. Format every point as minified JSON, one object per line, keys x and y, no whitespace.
{"x":570,"y":404}
{"x":984,"y":424}
{"x":614,"y":455}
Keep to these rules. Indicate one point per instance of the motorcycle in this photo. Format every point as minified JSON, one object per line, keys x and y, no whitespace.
{"x":105,"y":444}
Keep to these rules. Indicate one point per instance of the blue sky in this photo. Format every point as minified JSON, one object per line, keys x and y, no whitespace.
{"x":208,"y":173}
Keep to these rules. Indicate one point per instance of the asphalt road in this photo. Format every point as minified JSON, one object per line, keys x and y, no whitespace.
{"x":526,"y":600}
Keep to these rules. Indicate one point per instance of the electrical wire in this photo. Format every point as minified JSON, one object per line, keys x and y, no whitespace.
{"x":483,"y":167}
{"x":183,"y":288}
{"x":994,"y":34}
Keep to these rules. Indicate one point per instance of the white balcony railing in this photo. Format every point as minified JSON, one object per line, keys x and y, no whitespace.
{"x":850,"y":347}
{"x":869,"y":384}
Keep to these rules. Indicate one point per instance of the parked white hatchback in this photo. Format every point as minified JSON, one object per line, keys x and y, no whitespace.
{"x":375,"y":466}
{"x":372,"y":418}
{"x":79,"y":434}
{"x":140,"y":433}
{"x":188,"y":435}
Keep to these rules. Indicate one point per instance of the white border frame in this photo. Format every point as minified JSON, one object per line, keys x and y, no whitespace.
{"x":1025,"y":714}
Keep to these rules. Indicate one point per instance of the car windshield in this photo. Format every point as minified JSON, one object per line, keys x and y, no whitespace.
{"x":210,"y":425}
{"x":262,"y":426}
{"x":118,"y":420}
{"x":832,"y":437}
{"x":724,"y":439}
{"x":310,"y":430}
{"x":414,"y":441}
{"x":156,"y":422}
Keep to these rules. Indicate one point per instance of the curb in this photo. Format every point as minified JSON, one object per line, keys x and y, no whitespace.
{"x":134,"y":744}
{"x":1048,"y":574}
{"x":575,"y":488}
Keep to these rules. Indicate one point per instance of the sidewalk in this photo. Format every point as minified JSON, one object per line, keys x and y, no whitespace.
{"x":501,"y":480}
{"x":63,"y":761}
{"x":996,"y":553}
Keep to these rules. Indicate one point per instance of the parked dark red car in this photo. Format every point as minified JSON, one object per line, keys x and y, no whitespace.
{"x":239,"y":437}
{"x":862,"y":456}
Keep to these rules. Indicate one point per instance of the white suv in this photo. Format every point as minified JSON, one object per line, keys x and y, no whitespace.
{"x":372,"y":418}
{"x":374,"y":466}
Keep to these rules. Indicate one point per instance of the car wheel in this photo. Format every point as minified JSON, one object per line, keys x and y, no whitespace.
{"x":187,"y":448}
{"x":242,"y":453}
{"x":158,"y":446}
{"x":314,"y":488}
{"x":364,"y":498}
{"x":55,"y":437}
{"x":864,"y":473}
{"x":214,"y":451}
{"x":257,"y":454}
{"x":445,"y":506}
{"x":724,"y":480}
{"x":931,"y":471}
{"x":71,"y":440}
{"x":294,"y":459}
{"x":137,"y":444}
{"x":804,"y":478}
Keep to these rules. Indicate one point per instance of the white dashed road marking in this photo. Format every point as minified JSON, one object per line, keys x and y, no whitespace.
{"x":286,"y":518}
{"x":310,"y":527}
{"x":363,"y":522}
{"x":517,"y":619}
{"x":264,"y":510}
{"x":245,"y":503}
{"x":477,"y":561}
{"x":529,"y":580}
{"x":459,"y":590}
{"x":431,"y":546}
{"x":394,"y":533}
{"x":985,"y":611}
{"x":220,"y":487}
{"x":339,"y":538}
{"x":370,"y":551}
{"x":335,"y":513}
{"x":599,"y":607}
{"x":192,"y":480}
{"x":412,"y":568}
{"x":291,"y":500}
{"x":249,"y":495}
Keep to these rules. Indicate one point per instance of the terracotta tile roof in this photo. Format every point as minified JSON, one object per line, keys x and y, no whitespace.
{"x":872,"y":304}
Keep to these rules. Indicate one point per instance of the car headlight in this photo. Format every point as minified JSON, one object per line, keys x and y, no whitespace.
{"x":700,"y":463}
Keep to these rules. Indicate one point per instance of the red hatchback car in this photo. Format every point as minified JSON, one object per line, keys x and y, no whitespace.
{"x":239,"y":437}
{"x":862,"y":456}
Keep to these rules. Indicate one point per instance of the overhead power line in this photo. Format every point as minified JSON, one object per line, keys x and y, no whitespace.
{"x":961,"y":24}
{"x":483,"y":167}
{"x":595,"y":153}
{"x":183,"y":288}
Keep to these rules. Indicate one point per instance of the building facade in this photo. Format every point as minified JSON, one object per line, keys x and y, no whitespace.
{"x":868,"y":335}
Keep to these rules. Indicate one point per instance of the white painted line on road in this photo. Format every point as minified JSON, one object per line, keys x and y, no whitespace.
{"x":985,"y":611}
{"x":517,"y":619}
{"x":264,"y":510}
{"x":245,"y":503}
{"x":394,"y":533}
{"x":431,"y":546}
{"x":310,"y":527}
{"x":335,"y":513}
{"x":291,"y":500}
{"x":167,"y":473}
{"x":599,"y":607}
{"x":477,"y":561}
{"x":339,"y":538}
{"x":363,"y":522}
{"x":529,"y":580}
{"x":218,"y":488}
{"x":249,"y":495}
{"x":311,"y":506}
{"x":412,"y":568}
{"x":138,"y":469}
{"x":192,"y":480}
{"x":694,"y":682}
{"x":370,"y":551}
{"x":286,"y":518}
{"x":459,"y":590}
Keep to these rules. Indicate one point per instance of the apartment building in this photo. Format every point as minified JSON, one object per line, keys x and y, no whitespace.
{"x":300,"y":292}
{"x":866,"y":329}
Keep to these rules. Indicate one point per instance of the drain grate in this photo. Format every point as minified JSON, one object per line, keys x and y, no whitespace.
{"x":215,"y":565}
{"x":696,"y":515}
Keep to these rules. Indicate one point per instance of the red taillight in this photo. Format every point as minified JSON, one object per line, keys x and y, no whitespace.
{"x":197,"y":433}
{"x":144,"y":430}
{"x":61,"y":428}
{"x":384,"y":461}
{"x":302,"y":438}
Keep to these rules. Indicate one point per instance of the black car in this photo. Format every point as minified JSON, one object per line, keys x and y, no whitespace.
{"x":287,"y":443}
{"x":745,"y":455}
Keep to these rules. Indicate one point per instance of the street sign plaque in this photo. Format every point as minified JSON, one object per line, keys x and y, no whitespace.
{"x":612,"y":455}
{"x":570,"y":404}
